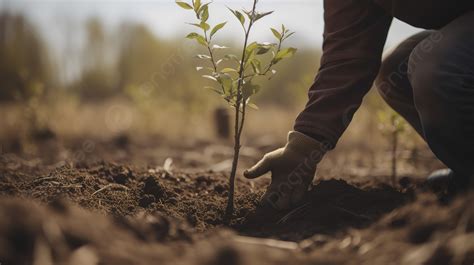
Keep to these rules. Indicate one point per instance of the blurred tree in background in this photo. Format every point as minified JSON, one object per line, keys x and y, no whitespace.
{"x":98,"y":76}
{"x":128,"y":62}
{"x":25,"y":69}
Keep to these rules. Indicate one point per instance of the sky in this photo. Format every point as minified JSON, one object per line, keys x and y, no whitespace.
{"x":167,"y":20}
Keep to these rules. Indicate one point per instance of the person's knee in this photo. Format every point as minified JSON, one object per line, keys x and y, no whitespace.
{"x":436,"y":72}
{"x":392,"y":77}
{"x":439,"y":71}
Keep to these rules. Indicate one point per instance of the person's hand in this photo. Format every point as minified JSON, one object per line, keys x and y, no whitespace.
{"x":292,"y":167}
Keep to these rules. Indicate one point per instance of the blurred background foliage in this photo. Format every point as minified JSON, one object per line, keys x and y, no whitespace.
{"x":153,"y":78}
{"x":125,"y":63}
{"x":149,"y":75}
{"x":25,"y":67}
{"x":129,"y":82}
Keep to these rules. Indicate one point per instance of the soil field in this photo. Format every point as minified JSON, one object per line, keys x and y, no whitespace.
{"x":106,"y":208}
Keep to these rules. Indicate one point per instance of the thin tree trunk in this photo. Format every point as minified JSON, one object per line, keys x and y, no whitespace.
{"x":230,"y":199}
{"x":238,"y":124}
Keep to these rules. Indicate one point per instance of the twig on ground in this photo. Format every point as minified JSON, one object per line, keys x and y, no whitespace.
{"x":109,"y":186}
{"x":270,"y":243}
{"x":44,"y":178}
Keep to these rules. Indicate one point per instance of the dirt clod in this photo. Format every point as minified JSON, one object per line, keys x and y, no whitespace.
{"x":220,"y":188}
{"x":153,"y":187}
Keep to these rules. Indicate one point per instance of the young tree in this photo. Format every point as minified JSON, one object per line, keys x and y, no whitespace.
{"x":392,"y":125}
{"x":236,"y":84}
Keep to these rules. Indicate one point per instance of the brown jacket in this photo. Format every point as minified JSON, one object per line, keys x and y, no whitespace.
{"x":354,"y":36}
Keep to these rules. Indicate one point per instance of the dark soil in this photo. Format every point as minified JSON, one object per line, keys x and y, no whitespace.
{"x":99,"y":212}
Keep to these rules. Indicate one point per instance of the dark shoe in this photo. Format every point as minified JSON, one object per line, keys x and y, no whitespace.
{"x":447,"y":183}
{"x":440,"y":180}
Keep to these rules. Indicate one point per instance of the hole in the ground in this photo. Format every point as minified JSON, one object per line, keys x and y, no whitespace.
{"x":331,"y":206}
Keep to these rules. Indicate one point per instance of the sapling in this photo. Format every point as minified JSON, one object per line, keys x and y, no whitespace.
{"x":236,"y":85}
{"x":392,"y":125}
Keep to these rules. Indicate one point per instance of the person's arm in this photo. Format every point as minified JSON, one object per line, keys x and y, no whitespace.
{"x":354,"y":36}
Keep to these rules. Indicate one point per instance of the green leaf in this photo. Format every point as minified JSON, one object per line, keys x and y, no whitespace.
{"x":217,"y":28}
{"x":184,"y":5}
{"x":262,"y":15}
{"x":232,"y":57}
{"x":204,"y":14}
{"x":249,"y":59}
{"x":289,"y":35}
{"x":256,"y":65}
{"x":276,"y":33}
{"x":203,"y":25}
{"x":197,"y":5}
{"x":192,"y":35}
{"x":238,"y":15}
{"x":286,"y":53}
{"x":251,"y":47}
{"x":228,"y":70}
{"x":249,"y":89}
{"x":199,"y":38}
{"x":252,"y":105}
{"x":262,"y":49}
{"x":227,"y":83}
{"x":195,"y":24}
{"x":201,"y":9}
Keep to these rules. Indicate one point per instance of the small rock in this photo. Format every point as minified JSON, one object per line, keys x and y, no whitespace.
{"x":203,"y":180}
{"x":120,"y":178}
{"x":219,"y":188}
{"x":153,"y":187}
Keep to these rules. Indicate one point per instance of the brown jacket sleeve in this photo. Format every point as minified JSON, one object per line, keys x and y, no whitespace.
{"x":354,"y":36}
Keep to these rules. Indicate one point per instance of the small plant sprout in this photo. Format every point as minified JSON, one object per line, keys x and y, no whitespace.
{"x":236,"y":84}
{"x":393,"y":126}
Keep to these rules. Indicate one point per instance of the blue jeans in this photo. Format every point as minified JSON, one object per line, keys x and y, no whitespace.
{"x":429,"y":80}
